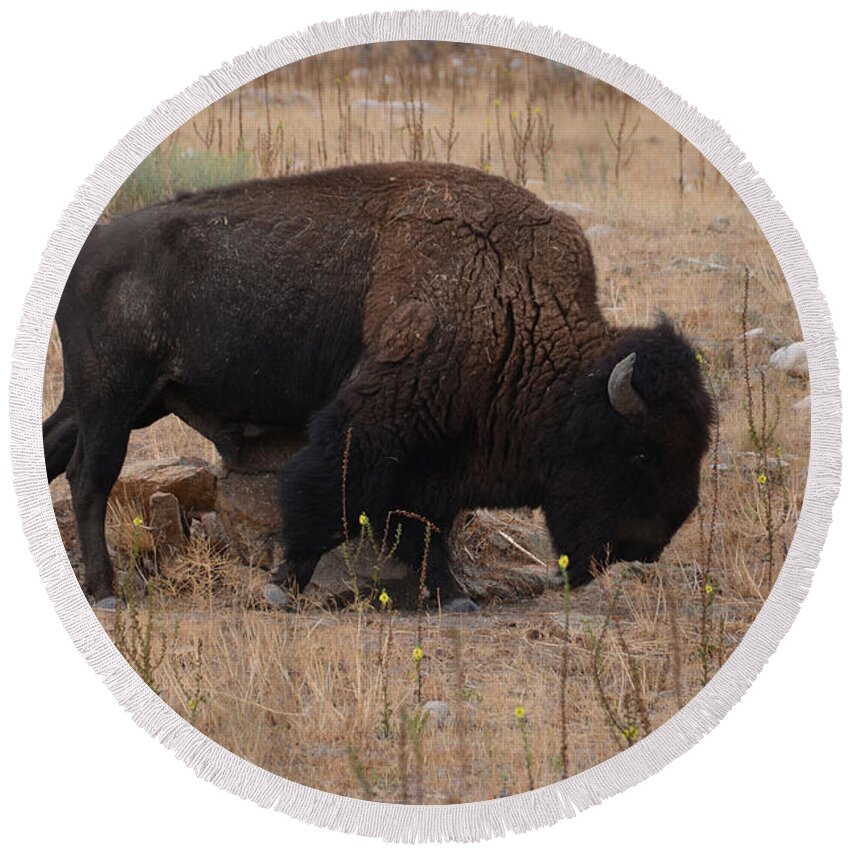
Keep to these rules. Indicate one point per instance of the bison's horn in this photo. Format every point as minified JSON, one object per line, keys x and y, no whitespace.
{"x":623,"y":396}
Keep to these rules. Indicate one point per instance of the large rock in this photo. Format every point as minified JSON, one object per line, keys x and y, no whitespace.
{"x":335,"y":580}
{"x":249,"y":500}
{"x":500,"y":582}
{"x":190,"y":480}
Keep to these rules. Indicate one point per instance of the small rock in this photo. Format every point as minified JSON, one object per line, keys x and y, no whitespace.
{"x":123,"y":579}
{"x":754,"y":332}
{"x":594,"y":623}
{"x":773,"y":462}
{"x":438,"y":711}
{"x":397,"y":106}
{"x":791,"y":359}
{"x":298,"y":98}
{"x":460,"y":605}
{"x":165,"y":520}
{"x":276,"y":596}
{"x":571,"y":208}
{"x":697,"y":264}
{"x":210,"y":527}
{"x":110,"y":603}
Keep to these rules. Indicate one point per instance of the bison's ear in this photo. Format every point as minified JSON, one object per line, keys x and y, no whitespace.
{"x":624,"y":398}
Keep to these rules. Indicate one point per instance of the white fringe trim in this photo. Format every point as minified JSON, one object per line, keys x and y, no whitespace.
{"x":468,"y":821}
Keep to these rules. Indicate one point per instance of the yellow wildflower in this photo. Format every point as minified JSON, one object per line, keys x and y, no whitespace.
{"x":630,"y":733}
{"x":762,"y":479}
{"x":519,"y":712}
{"x":364,"y":520}
{"x":384,"y":598}
{"x":564,"y":561}
{"x":709,"y":588}
{"x":700,"y":358}
{"x":138,"y":521}
{"x":417,"y":654}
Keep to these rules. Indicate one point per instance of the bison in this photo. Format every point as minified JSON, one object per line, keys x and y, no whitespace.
{"x":430,"y":327}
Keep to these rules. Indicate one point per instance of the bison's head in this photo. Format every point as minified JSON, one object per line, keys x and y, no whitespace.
{"x":632,"y":429}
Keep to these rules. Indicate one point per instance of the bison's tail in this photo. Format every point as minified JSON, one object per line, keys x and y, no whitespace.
{"x":59,"y":432}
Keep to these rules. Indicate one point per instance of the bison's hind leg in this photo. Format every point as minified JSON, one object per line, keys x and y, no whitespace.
{"x":59,"y":433}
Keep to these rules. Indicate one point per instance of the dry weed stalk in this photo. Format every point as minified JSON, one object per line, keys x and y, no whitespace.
{"x":522,"y":131}
{"x":680,"y":144}
{"x":458,"y":788}
{"x":563,"y":564}
{"x":622,"y":140}
{"x":413,"y":113}
{"x":136,"y":631}
{"x":544,"y":141}
{"x":707,"y":586}
{"x":207,"y":133}
{"x":452,"y":135}
{"x":359,"y":772}
{"x":497,"y":103}
{"x":322,"y":144}
{"x":762,"y":437}
{"x":634,"y":721}
{"x":343,"y":106}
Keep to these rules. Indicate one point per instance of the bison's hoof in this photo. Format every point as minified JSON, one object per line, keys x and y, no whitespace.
{"x":460,"y":605}
{"x":108,"y":603}
{"x":277,"y":597}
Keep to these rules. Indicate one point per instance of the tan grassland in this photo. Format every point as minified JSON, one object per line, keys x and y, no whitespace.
{"x":333,"y":699}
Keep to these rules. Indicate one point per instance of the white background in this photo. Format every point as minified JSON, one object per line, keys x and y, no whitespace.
{"x":77,"y":76}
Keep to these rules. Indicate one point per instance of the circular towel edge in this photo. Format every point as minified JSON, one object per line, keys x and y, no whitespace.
{"x":394,"y":822}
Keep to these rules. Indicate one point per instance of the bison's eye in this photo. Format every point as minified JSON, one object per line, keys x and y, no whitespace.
{"x":640,"y":460}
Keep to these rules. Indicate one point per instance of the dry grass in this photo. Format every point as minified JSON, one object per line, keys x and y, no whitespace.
{"x":303,"y":694}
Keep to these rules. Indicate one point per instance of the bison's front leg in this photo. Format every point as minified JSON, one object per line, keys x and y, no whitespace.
{"x":368,"y":470}
{"x":311,"y":497}
{"x":427,"y":548}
